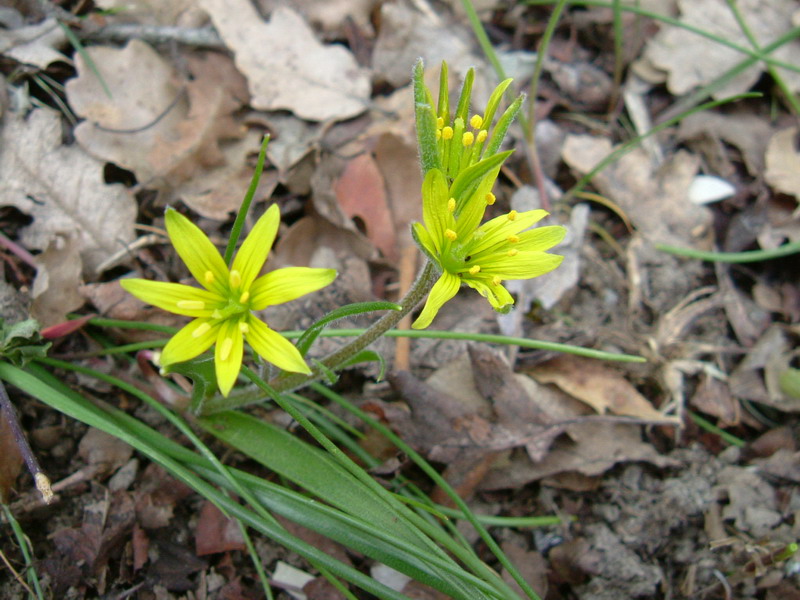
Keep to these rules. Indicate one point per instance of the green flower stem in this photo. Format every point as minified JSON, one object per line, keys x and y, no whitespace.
{"x":733,"y":257}
{"x":286,"y":383}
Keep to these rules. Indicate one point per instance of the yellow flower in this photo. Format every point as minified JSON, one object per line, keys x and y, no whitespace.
{"x":480,"y":256}
{"x":223,"y":309}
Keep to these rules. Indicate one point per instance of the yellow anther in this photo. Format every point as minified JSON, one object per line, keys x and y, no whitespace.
{"x":244,"y":327}
{"x":451,"y":205}
{"x":438,"y":134}
{"x":467,"y":139}
{"x":475,"y":270}
{"x":201,"y":329}
{"x":482,"y":135}
{"x":496,"y":280}
{"x":235,"y":279}
{"x":208,"y":277}
{"x":216,"y":314}
{"x":244,"y":297}
{"x":513,"y":252}
{"x":513,"y":239}
{"x":512,"y":215}
{"x":476,"y":121}
{"x":447,"y":133}
{"x":490,"y":198}
{"x":225,"y":348}
{"x":450,"y":235}
{"x":191,"y":304}
{"x":440,"y":122}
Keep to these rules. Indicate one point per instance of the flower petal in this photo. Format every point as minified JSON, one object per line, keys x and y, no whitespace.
{"x":197,"y":251}
{"x":474,"y":208}
{"x":253,"y":252}
{"x":228,"y":355}
{"x":442,"y":291}
{"x":435,"y":213}
{"x":275,"y":348}
{"x":283,"y":285}
{"x":173,"y":297}
{"x":497,"y":295}
{"x":525,"y":265}
{"x":194,"y":339}
{"x":541,"y":238}
{"x":496,"y":231}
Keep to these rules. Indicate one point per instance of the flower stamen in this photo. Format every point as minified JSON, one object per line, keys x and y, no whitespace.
{"x":191,"y":304}
{"x":512,"y":215}
{"x":235,"y":279}
{"x":244,"y":297}
{"x":225,"y":349}
{"x":482,"y":135}
{"x":496,"y":280}
{"x":475,"y":270}
{"x":513,"y":239}
{"x":208,"y":277}
{"x":467,"y":139}
{"x":512,"y":252}
{"x":476,"y":121}
{"x":244,"y":327}
{"x":201,"y":330}
{"x":450,"y":235}
{"x":451,"y":205}
{"x":447,"y":133}
{"x":490,"y":198}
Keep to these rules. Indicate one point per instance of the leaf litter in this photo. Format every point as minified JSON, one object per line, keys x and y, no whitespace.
{"x":662,"y":511}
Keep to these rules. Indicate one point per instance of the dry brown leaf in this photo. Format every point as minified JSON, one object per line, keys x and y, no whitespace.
{"x":34,"y":44}
{"x":286,"y":67}
{"x":103,"y":451}
{"x":655,"y":200}
{"x":330,"y":16}
{"x":58,"y":279}
{"x":361,"y":193}
{"x":406,"y":33}
{"x":62,"y":189}
{"x":125,"y":128}
{"x":692,"y":61}
{"x":591,"y":449}
{"x":783,"y":162}
{"x":10,"y":460}
{"x":748,"y":132}
{"x":598,"y":385}
{"x":167,"y":131}
{"x":216,"y":532}
{"x":183,"y":13}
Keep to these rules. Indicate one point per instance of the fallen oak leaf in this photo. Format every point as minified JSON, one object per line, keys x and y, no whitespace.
{"x":598,"y":385}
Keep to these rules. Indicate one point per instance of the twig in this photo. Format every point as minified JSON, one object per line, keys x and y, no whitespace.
{"x":200,"y":37}
{"x":42,"y":481}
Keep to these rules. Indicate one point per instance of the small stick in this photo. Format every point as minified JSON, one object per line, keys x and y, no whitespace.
{"x":41,"y":480}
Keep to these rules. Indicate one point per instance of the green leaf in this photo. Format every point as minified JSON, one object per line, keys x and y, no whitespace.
{"x":426,"y":121}
{"x":789,"y":382}
{"x":368,"y":356}
{"x":22,"y":342}
{"x":349,"y":310}
{"x":462,"y":109}
{"x":500,"y":130}
{"x":468,"y":179}
{"x":203,"y":374}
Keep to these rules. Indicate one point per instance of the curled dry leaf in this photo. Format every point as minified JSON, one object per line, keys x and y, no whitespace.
{"x":62,"y":189}
{"x":286,"y":67}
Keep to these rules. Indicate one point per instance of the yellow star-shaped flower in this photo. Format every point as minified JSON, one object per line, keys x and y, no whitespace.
{"x":223,"y":308}
{"x":480,"y":256}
